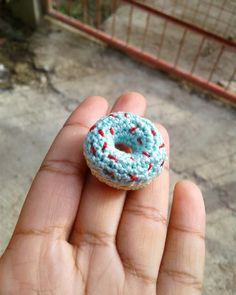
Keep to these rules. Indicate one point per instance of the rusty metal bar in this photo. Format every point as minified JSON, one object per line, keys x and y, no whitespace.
{"x":216,"y":62}
{"x":180,"y":47}
{"x":207,"y":13}
{"x":217,"y":18}
{"x":229,"y":22}
{"x":88,"y":12}
{"x":183,"y":24}
{"x":145,"y":31}
{"x":197,"y":55}
{"x":196,"y":10}
{"x":189,"y":7}
{"x":84,"y":10}
{"x":145,"y":56}
{"x":162,"y":38}
{"x":98,"y":13}
{"x":220,"y":14}
{"x":129,"y":24}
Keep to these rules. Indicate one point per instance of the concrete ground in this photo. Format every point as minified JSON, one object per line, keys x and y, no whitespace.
{"x":55,"y":69}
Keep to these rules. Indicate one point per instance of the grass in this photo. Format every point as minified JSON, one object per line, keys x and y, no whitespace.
{"x":87,"y":11}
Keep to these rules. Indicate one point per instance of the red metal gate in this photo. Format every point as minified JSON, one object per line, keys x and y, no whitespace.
{"x":196,"y":42}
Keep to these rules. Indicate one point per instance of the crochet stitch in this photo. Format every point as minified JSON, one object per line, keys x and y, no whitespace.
{"x":116,"y":167}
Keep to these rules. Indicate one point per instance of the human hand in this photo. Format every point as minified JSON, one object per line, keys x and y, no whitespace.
{"x":76,"y":235}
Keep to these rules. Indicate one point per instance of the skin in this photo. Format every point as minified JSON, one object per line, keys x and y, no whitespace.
{"x":76,"y":235}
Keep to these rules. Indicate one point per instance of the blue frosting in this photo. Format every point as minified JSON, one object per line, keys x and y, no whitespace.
{"x":125,"y":169}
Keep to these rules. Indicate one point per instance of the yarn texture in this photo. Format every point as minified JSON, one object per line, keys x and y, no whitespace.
{"x":116,"y":167}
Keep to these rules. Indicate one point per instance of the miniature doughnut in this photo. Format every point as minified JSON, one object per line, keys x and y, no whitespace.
{"x":113,"y":165}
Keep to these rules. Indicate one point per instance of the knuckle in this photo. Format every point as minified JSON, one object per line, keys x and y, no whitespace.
{"x":187,"y":230}
{"x":71,"y":124}
{"x":94,"y":239}
{"x":147,"y":212}
{"x":60,"y":166}
{"x":184,"y":278}
{"x":57,"y":231}
{"x":136,"y":270}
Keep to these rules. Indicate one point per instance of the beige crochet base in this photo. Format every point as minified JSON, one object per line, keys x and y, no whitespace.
{"x":114,"y":185}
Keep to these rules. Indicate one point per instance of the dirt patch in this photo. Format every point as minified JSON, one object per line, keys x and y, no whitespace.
{"x":16,"y":59}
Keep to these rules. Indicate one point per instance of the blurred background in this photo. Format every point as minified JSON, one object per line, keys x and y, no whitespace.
{"x":181,"y":55}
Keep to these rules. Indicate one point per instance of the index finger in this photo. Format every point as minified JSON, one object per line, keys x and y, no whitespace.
{"x":52,"y":201}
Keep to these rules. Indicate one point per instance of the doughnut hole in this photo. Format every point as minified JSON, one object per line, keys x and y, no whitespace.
{"x":124,"y":148}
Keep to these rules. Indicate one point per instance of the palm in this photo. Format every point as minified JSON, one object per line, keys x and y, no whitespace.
{"x":76,"y":235}
{"x":61,"y":269}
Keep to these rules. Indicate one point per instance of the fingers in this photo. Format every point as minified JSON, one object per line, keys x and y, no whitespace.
{"x":52,"y":201}
{"x":182,"y":266}
{"x":142,"y":229}
{"x":101,"y":206}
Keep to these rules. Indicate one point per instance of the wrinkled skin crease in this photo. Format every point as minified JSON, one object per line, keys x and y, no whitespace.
{"x":54,"y":266}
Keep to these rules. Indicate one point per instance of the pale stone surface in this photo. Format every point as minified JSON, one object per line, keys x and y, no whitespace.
{"x":202,"y":133}
{"x":220,"y":255}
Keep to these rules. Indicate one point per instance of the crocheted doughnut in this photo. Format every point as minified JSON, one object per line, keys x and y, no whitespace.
{"x":116,"y":167}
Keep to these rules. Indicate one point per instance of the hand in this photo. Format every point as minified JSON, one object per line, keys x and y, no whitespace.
{"x":75,"y":235}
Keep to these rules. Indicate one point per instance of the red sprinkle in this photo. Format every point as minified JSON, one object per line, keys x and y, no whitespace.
{"x":94,"y":126}
{"x":149,"y":166}
{"x":139,"y":140}
{"x":126,"y":115}
{"x":133,"y":177}
{"x":112,"y":115}
{"x":112,"y":157}
{"x":131,"y":158}
{"x":161,"y":146}
{"x":153,"y":132}
{"x":92,"y":149}
{"x":145,"y":153}
{"x":111,"y":131}
{"x":100,"y":131}
{"x":104,"y":146}
{"x":133,"y":129}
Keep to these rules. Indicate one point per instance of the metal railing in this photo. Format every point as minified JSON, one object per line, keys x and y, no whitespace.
{"x":171,"y":37}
